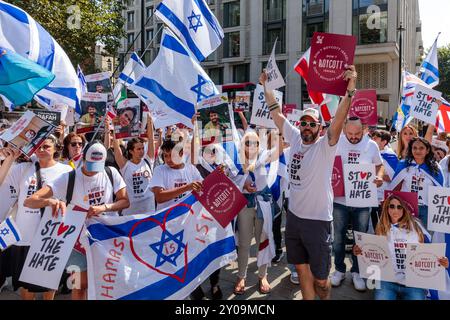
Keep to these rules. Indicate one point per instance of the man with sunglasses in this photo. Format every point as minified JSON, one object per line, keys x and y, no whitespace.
{"x":355,"y":147}
{"x":309,"y":218}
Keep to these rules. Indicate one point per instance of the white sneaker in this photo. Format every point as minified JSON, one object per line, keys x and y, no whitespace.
{"x":294,"y":278}
{"x":4,"y":285}
{"x":358,"y":283}
{"x":337,"y":278}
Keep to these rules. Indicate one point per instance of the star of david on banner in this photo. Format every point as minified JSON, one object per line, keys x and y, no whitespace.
{"x":198,"y":88}
{"x":168,"y":238}
{"x":197,"y":18}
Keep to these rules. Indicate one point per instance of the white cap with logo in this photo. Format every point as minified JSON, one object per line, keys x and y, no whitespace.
{"x":313,"y":113}
{"x":95,"y":157}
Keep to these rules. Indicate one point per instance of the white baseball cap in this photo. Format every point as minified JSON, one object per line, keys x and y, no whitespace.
{"x":95,"y":157}
{"x":313,"y":113}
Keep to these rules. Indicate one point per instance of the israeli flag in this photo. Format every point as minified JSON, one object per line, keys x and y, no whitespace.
{"x":194,"y":23}
{"x":278,"y":178}
{"x":133,"y":70}
{"x":9,"y":233}
{"x":430,"y":67}
{"x":82,"y":79}
{"x":175,"y":81}
{"x":19,"y":32}
{"x":155,"y":256}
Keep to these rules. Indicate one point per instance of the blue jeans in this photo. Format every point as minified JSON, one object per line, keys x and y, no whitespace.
{"x":394,"y":291}
{"x":342,"y":216}
{"x":423,"y":215}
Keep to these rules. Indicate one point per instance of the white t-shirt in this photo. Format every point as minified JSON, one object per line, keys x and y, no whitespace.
{"x":310,"y":169}
{"x":168,"y":178}
{"x":22,"y":178}
{"x":364,"y":152}
{"x":137,"y":178}
{"x":417,"y":181}
{"x":89,"y":191}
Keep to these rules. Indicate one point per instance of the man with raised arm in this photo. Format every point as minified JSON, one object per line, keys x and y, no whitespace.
{"x":310,"y":214}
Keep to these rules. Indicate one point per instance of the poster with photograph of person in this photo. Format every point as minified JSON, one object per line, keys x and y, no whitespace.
{"x":215,"y":120}
{"x":99,"y":82}
{"x":242,"y":101}
{"x":127,"y":124}
{"x":28,"y":133}
{"x":93,"y":109}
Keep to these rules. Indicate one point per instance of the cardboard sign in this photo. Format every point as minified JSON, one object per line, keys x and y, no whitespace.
{"x":360,"y":191}
{"x":49,"y":116}
{"x":93,"y":109}
{"x":294,"y":117}
{"x":364,"y":106}
{"x":274,"y":78}
{"x":63,"y":109}
{"x":215,"y":120}
{"x":9,"y":233}
{"x":242,"y":101}
{"x":330,"y":53}
{"x":337,"y":178}
{"x":425,"y":104}
{"x":51,"y":247}
{"x":28,"y":133}
{"x":375,"y":257}
{"x":127,"y":123}
{"x":221,"y":197}
{"x":410,"y":198}
{"x":99,"y":82}
{"x":422,"y":266}
{"x":260,"y":110}
{"x":439,"y":209}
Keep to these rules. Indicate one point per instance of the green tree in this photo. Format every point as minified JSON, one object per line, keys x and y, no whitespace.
{"x":78,"y":25}
{"x":444,"y":71}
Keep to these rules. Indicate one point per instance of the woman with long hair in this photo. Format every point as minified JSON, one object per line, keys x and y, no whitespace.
{"x":25,"y":179}
{"x":400,"y":227}
{"x":417,"y":172}
{"x":72,"y":153}
{"x":136,"y":168}
{"x":405,"y":136}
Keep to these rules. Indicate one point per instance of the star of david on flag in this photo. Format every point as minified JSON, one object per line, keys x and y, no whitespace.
{"x":175,"y":81}
{"x":194,"y":23}
{"x":9,"y":233}
{"x":155,"y":256}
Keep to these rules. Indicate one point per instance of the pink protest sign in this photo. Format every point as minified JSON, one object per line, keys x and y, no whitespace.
{"x":337,"y":179}
{"x":364,"y":106}
{"x":410,"y":198}
{"x":330,"y":54}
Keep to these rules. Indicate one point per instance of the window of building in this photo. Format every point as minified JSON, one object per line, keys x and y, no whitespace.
{"x":274,"y":25}
{"x":315,"y":19}
{"x":370,"y":20}
{"x":148,"y":36}
{"x":232,"y":44}
{"x":149,"y":14}
{"x":241,"y":73}
{"x":130,"y":39}
{"x":216,"y":75}
{"x":130,"y":20}
{"x":231,"y":14}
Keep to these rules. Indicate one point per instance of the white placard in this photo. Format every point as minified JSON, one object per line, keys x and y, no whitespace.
{"x":422,"y":266}
{"x":51,"y":248}
{"x":294,"y":117}
{"x":424,"y":105}
{"x":360,"y":191}
{"x":274,"y":78}
{"x":375,"y":261}
{"x":260,"y":111}
{"x":439,"y":209}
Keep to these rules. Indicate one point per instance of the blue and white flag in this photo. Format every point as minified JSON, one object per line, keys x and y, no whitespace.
{"x":278,"y":179}
{"x":8,"y":104}
{"x":22,"y":34}
{"x":194,"y":23}
{"x":82,"y":79}
{"x":175,"y":81}
{"x":133,"y":70}
{"x":155,"y":256}
{"x":430,"y":67}
{"x":402,"y":171}
{"x":9,"y":233}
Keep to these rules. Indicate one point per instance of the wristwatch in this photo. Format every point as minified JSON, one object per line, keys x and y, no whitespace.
{"x":351,"y":93}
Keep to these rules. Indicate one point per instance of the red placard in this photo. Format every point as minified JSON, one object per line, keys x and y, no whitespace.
{"x":364,"y":106}
{"x":410,"y":198}
{"x":221,"y":197}
{"x":337,"y":178}
{"x":287,"y":108}
{"x":330,"y":53}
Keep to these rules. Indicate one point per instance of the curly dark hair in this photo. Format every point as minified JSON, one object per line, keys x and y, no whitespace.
{"x":429,"y":158}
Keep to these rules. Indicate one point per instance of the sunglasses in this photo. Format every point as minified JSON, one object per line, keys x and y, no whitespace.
{"x":251,"y":143}
{"x":393,"y":206}
{"x":354,"y":118}
{"x":311,"y":124}
{"x":74,"y":144}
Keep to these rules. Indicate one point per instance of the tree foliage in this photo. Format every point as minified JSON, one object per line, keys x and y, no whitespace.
{"x":444,"y":71}
{"x":78,"y":25}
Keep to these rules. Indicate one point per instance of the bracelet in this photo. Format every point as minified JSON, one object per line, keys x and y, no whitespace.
{"x":274,"y":106}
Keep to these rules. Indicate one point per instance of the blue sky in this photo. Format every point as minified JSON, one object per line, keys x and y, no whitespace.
{"x":435,"y":16}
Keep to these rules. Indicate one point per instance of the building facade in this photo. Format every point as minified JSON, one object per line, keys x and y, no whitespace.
{"x":251,"y":27}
